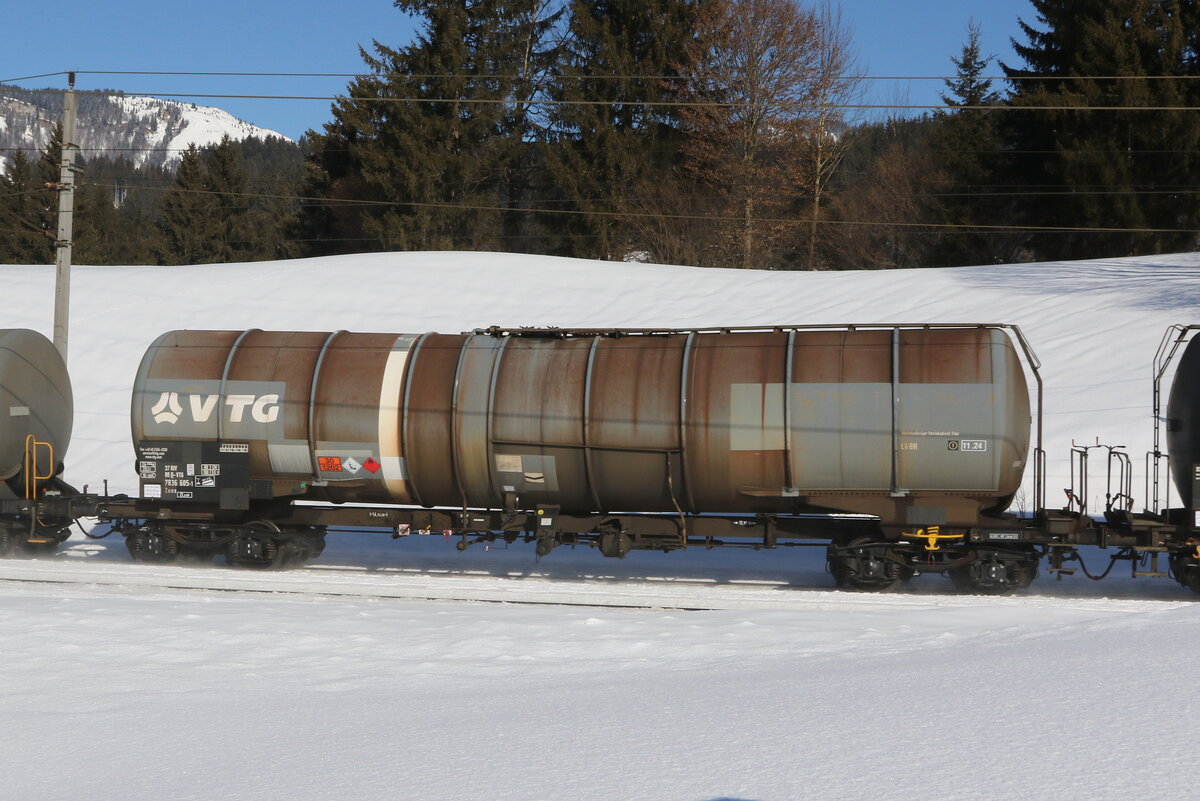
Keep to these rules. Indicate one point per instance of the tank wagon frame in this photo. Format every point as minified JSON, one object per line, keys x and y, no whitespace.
{"x":220,"y":503}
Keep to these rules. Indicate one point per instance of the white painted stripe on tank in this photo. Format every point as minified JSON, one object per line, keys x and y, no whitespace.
{"x":390,"y":458}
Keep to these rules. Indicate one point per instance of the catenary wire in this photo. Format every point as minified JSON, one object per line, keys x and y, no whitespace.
{"x":693,"y":217}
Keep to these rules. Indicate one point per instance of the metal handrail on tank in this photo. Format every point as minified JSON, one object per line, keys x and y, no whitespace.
{"x":1173,"y":339}
{"x":1122,"y":499}
{"x":1031,"y":359}
{"x":32,"y":475}
{"x":1078,"y":490}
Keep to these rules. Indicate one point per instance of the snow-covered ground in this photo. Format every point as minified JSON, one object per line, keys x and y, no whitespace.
{"x":1072,"y":689}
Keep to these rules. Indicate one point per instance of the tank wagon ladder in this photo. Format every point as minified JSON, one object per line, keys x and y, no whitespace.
{"x":32,"y":474}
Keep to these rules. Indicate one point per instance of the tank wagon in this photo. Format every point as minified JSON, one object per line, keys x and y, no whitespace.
{"x":897,"y":447}
{"x":621,"y":439}
{"x":36,"y":417}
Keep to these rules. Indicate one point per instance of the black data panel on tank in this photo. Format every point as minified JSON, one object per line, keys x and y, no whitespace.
{"x":195,"y":472}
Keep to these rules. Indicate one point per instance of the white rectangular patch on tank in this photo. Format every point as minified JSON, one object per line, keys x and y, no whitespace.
{"x":394,"y":468}
{"x":18,"y":411}
{"x":756,"y":417}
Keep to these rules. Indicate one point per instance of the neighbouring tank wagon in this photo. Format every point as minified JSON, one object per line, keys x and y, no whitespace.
{"x":1183,"y":425}
{"x":36,"y":418}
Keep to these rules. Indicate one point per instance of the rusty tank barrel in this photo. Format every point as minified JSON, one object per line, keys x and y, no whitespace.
{"x":35,"y":401}
{"x":916,"y":424}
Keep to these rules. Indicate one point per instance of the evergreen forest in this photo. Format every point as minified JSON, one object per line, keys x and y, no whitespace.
{"x":725,"y":133}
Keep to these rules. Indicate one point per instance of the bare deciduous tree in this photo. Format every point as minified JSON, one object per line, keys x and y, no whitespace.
{"x":875,"y":227}
{"x":838,"y":86}
{"x":753,"y":79}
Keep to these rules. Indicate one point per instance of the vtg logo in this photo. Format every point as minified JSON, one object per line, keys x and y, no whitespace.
{"x":262,"y":408}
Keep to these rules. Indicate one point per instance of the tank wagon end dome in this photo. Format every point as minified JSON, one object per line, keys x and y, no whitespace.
{"x":35,"y":399}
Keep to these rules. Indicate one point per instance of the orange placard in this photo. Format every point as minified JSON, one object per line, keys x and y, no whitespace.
{"x":329,"y":464}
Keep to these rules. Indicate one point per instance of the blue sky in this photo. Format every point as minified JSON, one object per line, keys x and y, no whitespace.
{"x":916,"y":37}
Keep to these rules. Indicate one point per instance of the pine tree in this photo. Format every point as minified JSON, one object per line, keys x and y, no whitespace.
{"x":433,"y":136}
{"x":190,"y":219}
{"x":970,"y":152}
{"x":115,"y":207}
{"x":610,"y":146}
{"x":273,"y":169}
{"x":226,"y":179}
{"x":1109,"y":169}
{"x":29,"y":206}
{"x":24,"y":237}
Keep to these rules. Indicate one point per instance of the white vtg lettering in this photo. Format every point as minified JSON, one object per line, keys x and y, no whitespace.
{"x":263,"y":408}
{"x":202,"y":408}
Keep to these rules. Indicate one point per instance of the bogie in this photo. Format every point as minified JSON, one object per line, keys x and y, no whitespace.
{"x":991,"y":572}
{"x":869,"y":565}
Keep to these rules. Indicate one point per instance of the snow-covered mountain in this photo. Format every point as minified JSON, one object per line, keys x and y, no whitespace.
{"x":145,"y":130}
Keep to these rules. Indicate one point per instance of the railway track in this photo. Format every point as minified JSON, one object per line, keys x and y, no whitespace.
{"x":477,"y":586}
{"x":408,"y":584}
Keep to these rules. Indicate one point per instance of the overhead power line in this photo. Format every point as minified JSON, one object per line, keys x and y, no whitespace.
{"x":692,"y":217}
{"x":505,"y":101}
{"x":590,"y":77}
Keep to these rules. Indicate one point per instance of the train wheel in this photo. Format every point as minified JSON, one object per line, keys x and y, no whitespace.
{"x":868,"y":565}
{"x":290,"y":553}
{"x":257,"y":548}
{"x":994,"y":574}
{"x":268,"y":547}
{"x":151,"y":545}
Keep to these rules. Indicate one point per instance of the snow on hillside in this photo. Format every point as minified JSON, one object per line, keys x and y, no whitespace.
{"x":195,"y":125}
{"x":149,"y":130}
{"x":1059,"y":692}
